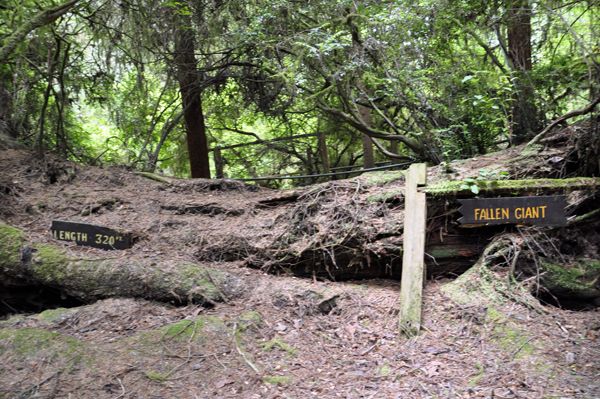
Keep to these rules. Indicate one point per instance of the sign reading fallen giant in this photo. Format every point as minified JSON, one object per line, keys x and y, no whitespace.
{"x":538,"y":211}
{"x":90,"y":235}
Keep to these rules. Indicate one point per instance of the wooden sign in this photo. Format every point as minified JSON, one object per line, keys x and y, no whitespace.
{"x":537,"y":211}
{"x":90,"y":235}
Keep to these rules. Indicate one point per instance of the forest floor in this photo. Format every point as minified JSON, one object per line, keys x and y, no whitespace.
{"x":285,"y":337}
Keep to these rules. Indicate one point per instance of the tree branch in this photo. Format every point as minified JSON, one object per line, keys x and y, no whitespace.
{"x":369,"y":131}
{"x":44,"y":18}
{"x":568,"y":115}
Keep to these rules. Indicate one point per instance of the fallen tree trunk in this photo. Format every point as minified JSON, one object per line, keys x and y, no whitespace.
{"x":25,"y":263}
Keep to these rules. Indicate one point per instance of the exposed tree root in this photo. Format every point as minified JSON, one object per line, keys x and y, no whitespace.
{"x":490,"y":280}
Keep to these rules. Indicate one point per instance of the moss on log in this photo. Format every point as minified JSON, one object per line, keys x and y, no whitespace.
{"x":154,"y":176}
{"x":92,"y":279}
{"x":577,"y":279}
{"x":453,"y":188}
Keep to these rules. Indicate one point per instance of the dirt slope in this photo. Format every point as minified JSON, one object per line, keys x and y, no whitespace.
{"x":288,"y":337}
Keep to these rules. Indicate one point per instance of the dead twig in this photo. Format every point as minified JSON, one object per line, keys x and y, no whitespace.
{"x":122,"y":387}
{"x":252,"y":366}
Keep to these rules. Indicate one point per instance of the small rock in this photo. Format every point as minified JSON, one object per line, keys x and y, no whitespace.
{"x":570,"y":357}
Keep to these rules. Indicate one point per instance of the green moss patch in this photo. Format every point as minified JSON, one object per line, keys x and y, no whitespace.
{"x":200,"y":329}
{"x":579,"y":278}
{"x":381,"y":178}
{"x":386,"y":196}
{"x":512,"y":186}
{"x":52,"y":316}
{"x":278,"y":343}
{"x":27,"y":343}
{"x":49,"y":264}
{"x":516,"y":342}
{"x":249,"y":318}
{"x":276,"y":380}
{"x":11,"y":241}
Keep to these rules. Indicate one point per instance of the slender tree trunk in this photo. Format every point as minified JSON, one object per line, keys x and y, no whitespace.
{"x":163,"y":136}
{"x":51,"y":63}
{"x":6,"y":112}
{"x":61,"y":134}
{"x":185,"y":44}
{"x":368,"y":157}
{"x":218,"y":163}
{"x":323,"y":151}
{"x":525,"y":121}
{"x":394,"y":146}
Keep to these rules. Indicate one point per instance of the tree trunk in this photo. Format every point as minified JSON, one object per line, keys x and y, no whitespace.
{"x":368,"y":157}
{"x":525,"y":121}
{"x":52,"y":61}
{"x":394,"y":146}
{"x":185,"y":44}
{"x":61,"y":103}
{"x":167,"y":127}
{"x":218,"y":163}
{"x":323,"y":151}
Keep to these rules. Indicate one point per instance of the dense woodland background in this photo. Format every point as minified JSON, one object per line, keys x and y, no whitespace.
{"x":258,"y":88}
{"x":258,"y":289}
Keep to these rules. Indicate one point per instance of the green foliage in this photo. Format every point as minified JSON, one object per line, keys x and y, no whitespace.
{"x":471,"y":183}
{"x":434,"y":73}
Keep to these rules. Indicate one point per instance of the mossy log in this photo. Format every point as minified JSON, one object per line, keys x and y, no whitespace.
{"x":520,"y":187}
{"x":154,"y":176}
{"x":25,"y":263}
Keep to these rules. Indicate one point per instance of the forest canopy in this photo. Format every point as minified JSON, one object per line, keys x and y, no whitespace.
{"x":229,"y":88}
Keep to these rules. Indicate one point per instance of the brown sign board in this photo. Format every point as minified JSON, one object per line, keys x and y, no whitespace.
{"x":90,"y":235}
{"x":537,"y":211}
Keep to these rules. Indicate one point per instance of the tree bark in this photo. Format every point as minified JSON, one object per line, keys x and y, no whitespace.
{"x":368,"y":157}
{"x":218,"y":162}
{"x":52,"y":61}
{"x":61,"y":134}
{"x":167,"y":127}
{"x":394,"y":146}
{"x":525,"y":120}
{"x":323,"y":151}
{"x":185,"y":45}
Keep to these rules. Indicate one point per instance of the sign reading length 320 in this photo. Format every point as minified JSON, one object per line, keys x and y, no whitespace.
{"x":90,"y":235}
{"x":537,"y":211}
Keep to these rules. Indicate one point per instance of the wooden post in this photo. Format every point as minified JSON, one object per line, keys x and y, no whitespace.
{"x":413,"y":265}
